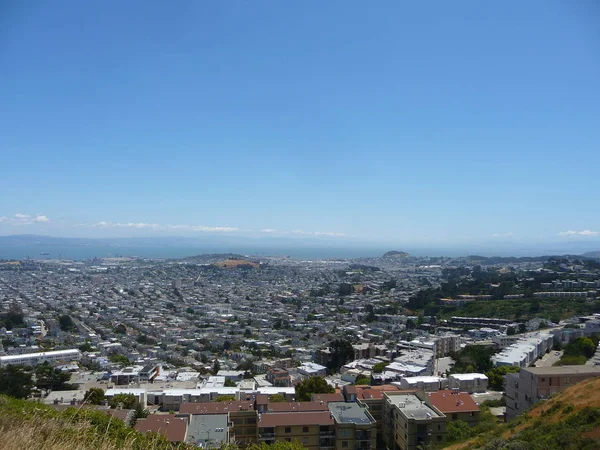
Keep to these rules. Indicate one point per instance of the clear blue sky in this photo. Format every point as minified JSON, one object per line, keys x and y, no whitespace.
{"x":391,"y":121}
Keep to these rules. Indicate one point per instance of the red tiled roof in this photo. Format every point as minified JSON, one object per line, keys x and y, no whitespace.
{"x":448,"y":402}
{"x":366,"y":394}
{"x":215,"y":407}
{"x":173,"y":428}
{"x":262,"y":399}
{"x":296,"y":406}
{"x":271,"y":420}
{"x":327,"y":398}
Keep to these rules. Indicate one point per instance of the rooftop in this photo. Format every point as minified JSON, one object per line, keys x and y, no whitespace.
{"x":566,"y":370}
{"x":350,"y":413}
{"x":215,"y":408}
{"x":411,"y":406}
{"x":450,"y":402}
{"x":270,"y":420}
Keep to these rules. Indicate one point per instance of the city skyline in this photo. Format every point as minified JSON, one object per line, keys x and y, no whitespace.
{"x":453,"y":125}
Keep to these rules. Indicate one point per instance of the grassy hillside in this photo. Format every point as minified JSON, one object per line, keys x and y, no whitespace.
{"x":569,"y":420}
{"x":28,"y":425}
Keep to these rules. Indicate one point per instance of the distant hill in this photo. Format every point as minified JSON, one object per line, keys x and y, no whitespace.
{"x":396,"y":254}
{"x":235,"y":263}
{"x":595,"y":254}
{"x":568,"y":420}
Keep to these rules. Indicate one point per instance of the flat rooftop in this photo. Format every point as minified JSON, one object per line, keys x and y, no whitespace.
{"x":564,"y":370}
{"x":412,"y":406}
{"x":350,"y":413}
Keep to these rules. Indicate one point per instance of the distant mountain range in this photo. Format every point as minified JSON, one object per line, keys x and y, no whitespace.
{"x":595,"y":254}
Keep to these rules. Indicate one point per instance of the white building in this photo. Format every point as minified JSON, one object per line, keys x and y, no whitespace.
{"x":34,"y":359}
{"x":468,"y":382}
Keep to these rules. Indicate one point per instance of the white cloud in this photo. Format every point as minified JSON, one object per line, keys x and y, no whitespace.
{"x":158,"y":227}
{"x":319,"y":233}
{"x":509,"y":234}
{"x":587,"y":233}
{"x":24,"y":219}
{"x":268,"y":230}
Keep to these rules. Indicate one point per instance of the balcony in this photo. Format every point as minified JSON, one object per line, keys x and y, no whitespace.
{"x":327,"y":434}
{"x":264,"y":436}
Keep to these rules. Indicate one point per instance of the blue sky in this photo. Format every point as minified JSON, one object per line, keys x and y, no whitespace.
{"x":392,"y":121}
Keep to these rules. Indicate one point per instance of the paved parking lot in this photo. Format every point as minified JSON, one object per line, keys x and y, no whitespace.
{"x":549,"y":359}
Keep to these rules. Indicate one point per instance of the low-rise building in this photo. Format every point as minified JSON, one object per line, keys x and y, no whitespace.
{"x":468,"y":382}
{"x":532,"y":384}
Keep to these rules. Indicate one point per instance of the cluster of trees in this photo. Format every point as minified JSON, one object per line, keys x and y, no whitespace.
{"x":497,"y":374}
{"x":13,"y":318}
{"x":579,"y":351}
{"x":312,"y":385}
{"x":95,"y":396}
{"x":473,"y":358}
{"x":341,"y":352}
{"x":117,"y":358}
{"x":20,"y":381}
{"x":66,"y":323}
{"x":497,"y":284}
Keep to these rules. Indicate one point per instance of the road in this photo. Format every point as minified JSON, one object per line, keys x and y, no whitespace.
{"x":548,"y":359}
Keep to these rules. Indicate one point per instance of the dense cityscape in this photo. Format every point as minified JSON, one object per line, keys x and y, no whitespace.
{"x":230,"y":349}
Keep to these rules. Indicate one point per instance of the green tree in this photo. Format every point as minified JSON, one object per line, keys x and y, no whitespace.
{"x":341,"y":352}
{"x":121,"y":329}
{"x":312,"y":385}
{"x":216,"y":366}
{"x":277,"y":445}
{"x":16,"y":381}
{"x":344,"y":289}
{"x":379,"y":367}
{"x":49,"y":378}
{"x":230,"y":383}
{"x":117,"y":358}
{"x":225,"y":398}
{"x":497,"y":374}
{"x":94,"y":396}
{"x":511,"y":331}
{"x":457,"y":431}
{"x":66,"y":323}
{"x":362,"y":380}
{"x":276,"y":398}
{"x":128,"y":401}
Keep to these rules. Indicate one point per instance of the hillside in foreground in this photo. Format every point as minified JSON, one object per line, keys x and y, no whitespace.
{"x":30,"y":425}
{"x":570,"y":420}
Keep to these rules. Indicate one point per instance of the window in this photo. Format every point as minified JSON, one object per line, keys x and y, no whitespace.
{"x":344,"y":444}
{"x":288,"y":429}
{"x":543,"y":379}
{"x":439,"y":438}
{"x":454,"y":416}
{"x":305,"y":441}
{"x":305,"y":429}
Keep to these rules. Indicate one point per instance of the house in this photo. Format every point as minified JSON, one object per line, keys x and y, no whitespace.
{"x":172,"y":428}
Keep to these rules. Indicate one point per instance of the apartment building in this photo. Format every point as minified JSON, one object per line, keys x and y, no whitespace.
{"x":279,"y":377}
{"x":454,"y":404}
{"x":409,"y":422}
{"x":315,"y":430}
{"x":355,"y":427}
{"x":241,"y":421}
{"x":532,"y":384}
